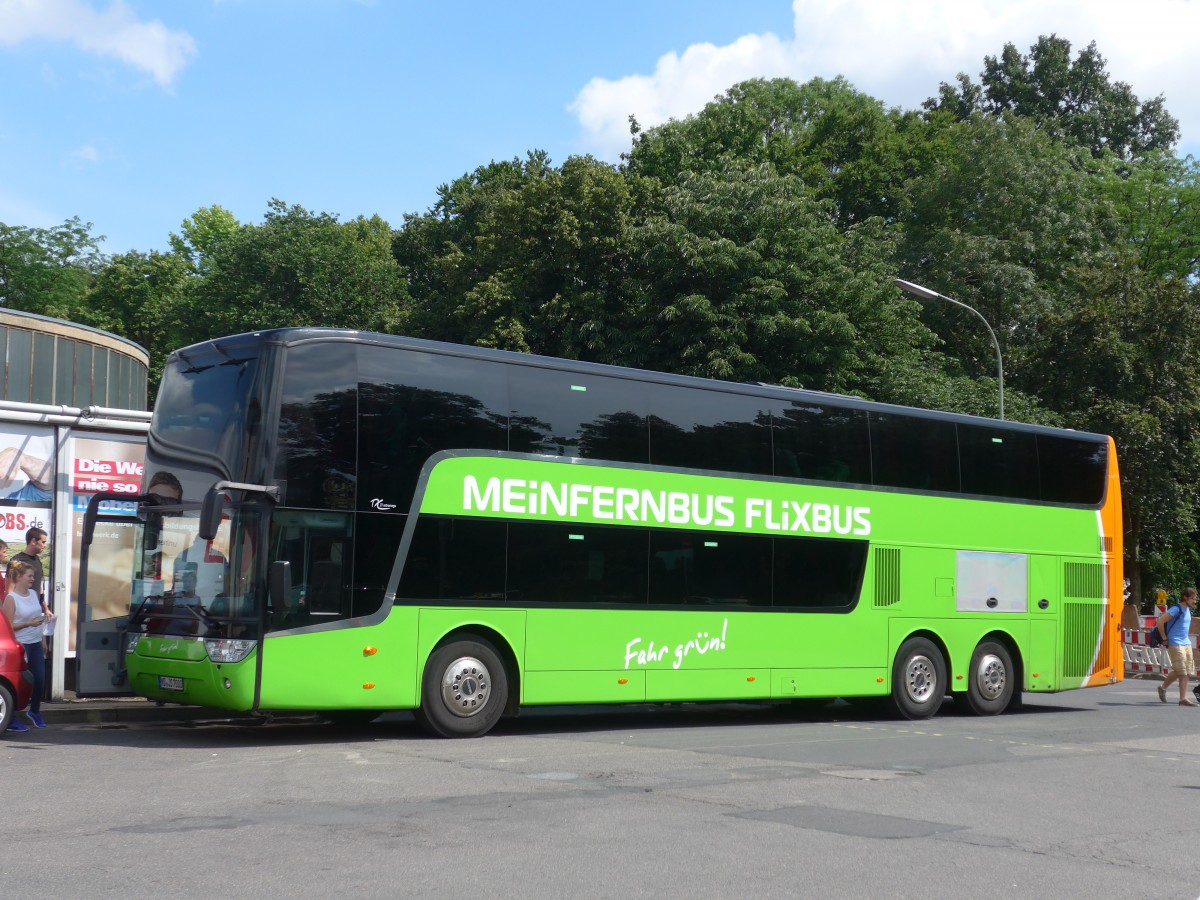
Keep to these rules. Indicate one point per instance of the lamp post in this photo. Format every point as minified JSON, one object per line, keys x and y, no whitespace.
{"x":926,"y":294}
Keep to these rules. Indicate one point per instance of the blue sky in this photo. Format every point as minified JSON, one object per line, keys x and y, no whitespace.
{"x":134,"y":114}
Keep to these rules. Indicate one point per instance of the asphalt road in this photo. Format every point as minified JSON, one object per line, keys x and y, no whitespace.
{"x":1087,"y":794}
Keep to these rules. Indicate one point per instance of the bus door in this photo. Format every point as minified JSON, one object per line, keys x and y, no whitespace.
{"x":112,"y":582}
{"x":1045,"y":602}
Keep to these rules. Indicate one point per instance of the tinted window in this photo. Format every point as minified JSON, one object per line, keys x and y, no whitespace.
{"x":698,"y":429}
{"x":565,"y":414}
{"x":568,"y":563}
{"x":821,"y":443}
{"x":208,"y":408}
{"x":454,"y":559}
{"x":318,"y":424}
{"x":1073,"y":470}
{"x":413,"y":404}
{"x":998,"y":463}
{"x":818,"y":574}
{"x":921,"y":454}
{"x":710,"y":569}
{"x":375,"y":552}
{"x":320,"y":548}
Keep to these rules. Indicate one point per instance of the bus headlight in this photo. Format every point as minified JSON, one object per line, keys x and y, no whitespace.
{"x":228,"y":651}
{"x":131,"y":642}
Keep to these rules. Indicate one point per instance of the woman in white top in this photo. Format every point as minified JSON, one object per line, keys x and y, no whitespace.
{"x":24,"y":612}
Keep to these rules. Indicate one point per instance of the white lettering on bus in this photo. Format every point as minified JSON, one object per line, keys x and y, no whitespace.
{"x":575,"y":500}
{"x":703,"y":642}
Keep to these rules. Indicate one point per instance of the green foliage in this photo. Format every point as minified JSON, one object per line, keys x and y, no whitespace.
{"x":296,"y":268}
{"x":142,"y":297}
{"x":1072,"y":100}
{"x":1119,"y":360}
{"x":203,"y":236}
{"x":841,"y":143}
{"x":47,"y":270}
{"x":523,"y":256}
{"x":1157,"y":204}
{"x":742,"y":275}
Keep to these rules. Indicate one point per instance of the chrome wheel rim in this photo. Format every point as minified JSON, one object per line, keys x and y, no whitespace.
{"x":990,"y":677}
{"x":920,"y":678}
{"x":466,"y":686}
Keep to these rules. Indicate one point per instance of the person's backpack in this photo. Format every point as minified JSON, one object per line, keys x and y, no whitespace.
{"x":1154,"y":639}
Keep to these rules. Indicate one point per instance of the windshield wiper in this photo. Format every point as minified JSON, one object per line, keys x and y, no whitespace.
{"x":203,"y":615}
{"x":137,"y":617}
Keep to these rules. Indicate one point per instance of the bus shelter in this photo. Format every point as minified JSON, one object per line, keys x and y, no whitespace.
{"x":52,"y":459}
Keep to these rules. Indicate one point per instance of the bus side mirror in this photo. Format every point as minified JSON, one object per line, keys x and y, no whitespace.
{"x":210,"y":513}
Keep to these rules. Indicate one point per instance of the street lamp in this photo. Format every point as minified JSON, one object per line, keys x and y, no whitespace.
{"x":926,"y":294}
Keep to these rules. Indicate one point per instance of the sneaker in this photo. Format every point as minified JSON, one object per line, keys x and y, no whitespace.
{"x":1187,"y":702}
{"x":14,"y":725}
{"x":36,"y":719}
{"x":1162,"y":693}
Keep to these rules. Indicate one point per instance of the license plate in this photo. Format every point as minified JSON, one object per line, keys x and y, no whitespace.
{"x":169,"y":683}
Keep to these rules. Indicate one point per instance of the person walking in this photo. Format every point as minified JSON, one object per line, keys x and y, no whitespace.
{"x":24,"y":612}
{"x":1175,"y":626}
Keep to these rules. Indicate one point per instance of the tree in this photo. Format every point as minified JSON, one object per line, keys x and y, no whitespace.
{"x":524,"y":256}
{"x":742,"y":275}
{"x":1117,"y":360}
{"x":143,"y":297}
{"x":840,"y":142}
{"x":47,"y":270}
{"x":203,"y":236}
{"x":296,"y":268}
{"x":1002,"y":222}
{"x":1157,"y":207}
{"x":1073,"y":100}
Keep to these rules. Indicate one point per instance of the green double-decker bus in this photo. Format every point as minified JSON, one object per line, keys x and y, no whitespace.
{"x":350,"y":523}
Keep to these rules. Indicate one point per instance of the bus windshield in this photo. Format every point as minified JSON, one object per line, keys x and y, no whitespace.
{"x":209,"y":410}
{"x":190,"y":587}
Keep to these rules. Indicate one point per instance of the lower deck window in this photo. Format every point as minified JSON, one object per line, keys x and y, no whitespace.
{"x":590,"y":565}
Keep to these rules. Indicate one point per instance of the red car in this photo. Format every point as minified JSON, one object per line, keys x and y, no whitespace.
{"x":16,"y":682}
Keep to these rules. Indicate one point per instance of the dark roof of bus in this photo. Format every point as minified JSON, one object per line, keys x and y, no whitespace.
{"x":290,"y":336}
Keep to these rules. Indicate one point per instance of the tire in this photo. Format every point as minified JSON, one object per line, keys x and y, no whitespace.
{"x":990,"y":684}
{"x":918,"y":679}
{"x":8,"y":708}
{"x":464,"y":689}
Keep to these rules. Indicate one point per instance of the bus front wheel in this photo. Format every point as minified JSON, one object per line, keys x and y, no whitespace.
{"x":464,"y":689}
{"x":990,"y":688}
{"x":918,"y":679}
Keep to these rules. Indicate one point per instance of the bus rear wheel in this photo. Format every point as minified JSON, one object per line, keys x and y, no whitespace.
{"x":990,"y":687}
{"x":918,"y":679}
{"x":464,"y":689}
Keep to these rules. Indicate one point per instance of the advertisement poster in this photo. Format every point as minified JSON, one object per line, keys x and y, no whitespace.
{"x":26,"y":482}
{"x":103,"y":464}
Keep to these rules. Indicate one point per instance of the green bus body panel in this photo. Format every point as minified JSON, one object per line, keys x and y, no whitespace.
{"x":203,"y":681}
{"x":335,"y":668}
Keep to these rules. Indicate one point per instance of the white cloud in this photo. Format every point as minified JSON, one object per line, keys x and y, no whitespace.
{"x":86,"y":153}
{"x":900,"y":52}
{"x":113,"y":32}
